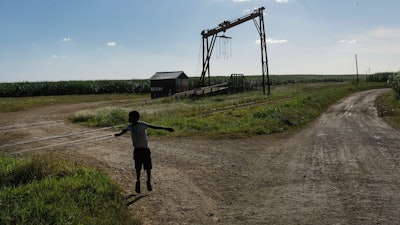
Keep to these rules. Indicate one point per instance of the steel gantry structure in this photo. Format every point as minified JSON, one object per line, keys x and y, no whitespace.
{"x":210,"y":36}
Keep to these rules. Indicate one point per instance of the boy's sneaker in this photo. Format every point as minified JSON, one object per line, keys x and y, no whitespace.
{"x":149,"y":186}
{"x":137,"y":189}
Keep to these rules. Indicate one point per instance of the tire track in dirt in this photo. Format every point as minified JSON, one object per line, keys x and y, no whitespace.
{"x":46,"y":128}
{"x":344,"y":169}
{"x":52,"y":141}
{"x":29,"y":125}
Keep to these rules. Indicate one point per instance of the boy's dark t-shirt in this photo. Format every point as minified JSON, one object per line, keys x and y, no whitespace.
{"x":139,"y":134}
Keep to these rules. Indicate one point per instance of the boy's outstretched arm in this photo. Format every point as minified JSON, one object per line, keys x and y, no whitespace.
{"x":161,"y":128}
{"x":121,"y":133}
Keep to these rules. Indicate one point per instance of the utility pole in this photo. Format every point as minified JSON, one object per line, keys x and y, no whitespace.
{"x":358,"y":80}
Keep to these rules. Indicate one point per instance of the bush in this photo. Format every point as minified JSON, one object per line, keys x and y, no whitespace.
{"x":379,"y":77}
{"x":394,"y":81}
{"x":101,"y":118}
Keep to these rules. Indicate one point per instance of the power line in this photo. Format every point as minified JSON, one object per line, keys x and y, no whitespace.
{"x":315,"y":18}
{"x":395,"y":60}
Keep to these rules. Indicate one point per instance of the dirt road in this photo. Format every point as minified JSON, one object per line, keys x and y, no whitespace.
{"x":342,"y":169}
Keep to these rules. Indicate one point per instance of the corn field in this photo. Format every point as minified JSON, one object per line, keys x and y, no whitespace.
{"x":23,"y":89}
{"x":48,"y":88}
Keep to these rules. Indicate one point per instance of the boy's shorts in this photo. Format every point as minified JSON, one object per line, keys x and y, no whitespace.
{"x":142,"y":157}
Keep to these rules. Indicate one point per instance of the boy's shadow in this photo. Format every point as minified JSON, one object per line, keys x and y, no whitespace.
{"x":135,"y":197}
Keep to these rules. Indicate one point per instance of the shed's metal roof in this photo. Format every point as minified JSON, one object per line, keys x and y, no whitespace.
{"x":169,"y":75}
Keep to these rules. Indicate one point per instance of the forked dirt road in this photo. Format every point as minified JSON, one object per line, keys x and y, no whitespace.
{"x":342,"y":169}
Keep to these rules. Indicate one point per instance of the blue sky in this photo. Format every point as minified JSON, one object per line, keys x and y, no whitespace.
{"x":48,"y":40}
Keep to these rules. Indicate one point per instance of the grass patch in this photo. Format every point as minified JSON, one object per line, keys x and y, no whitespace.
{"x":389,"y":108}
{"x":24,"y":103}
{"x":290,"y":107}
{"x":103,"y":117}
{"x":42,"y":190}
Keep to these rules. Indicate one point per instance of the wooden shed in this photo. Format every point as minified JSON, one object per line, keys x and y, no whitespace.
{"x":168,"y":83}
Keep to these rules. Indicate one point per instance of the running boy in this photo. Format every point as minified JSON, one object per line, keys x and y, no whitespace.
{"x":141,"y":153}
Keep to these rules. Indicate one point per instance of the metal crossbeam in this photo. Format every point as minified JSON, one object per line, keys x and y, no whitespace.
{"x":210,"y":36}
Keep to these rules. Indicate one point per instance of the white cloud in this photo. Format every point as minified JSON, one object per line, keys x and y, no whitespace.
{"x":348,"y":41}
{"x":276,"y":41}
{"x":384,"y":33}
{"x":246,"y":11}
{"x":111,"y":44}
{"x":383,"y":40}
{"x":238,"y":1}
{"x":273,"y":41}
{"x":58,"y":57}
{"x":66,"y":39}
{"x":375,"y":36}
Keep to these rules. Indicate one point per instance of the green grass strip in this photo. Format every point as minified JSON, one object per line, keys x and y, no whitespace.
{"x":47,"y":191}
{"x":290,"y":107}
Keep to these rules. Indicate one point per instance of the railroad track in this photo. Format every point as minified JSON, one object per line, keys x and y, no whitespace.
{"x":30,"y":125}
{"x":52,"y":141}
{"x":83,"y":137}
{"x":243,"y":105}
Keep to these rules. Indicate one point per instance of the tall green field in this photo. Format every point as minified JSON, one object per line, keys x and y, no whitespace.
{"x":49,"y":88}
{"x":85,"y":87}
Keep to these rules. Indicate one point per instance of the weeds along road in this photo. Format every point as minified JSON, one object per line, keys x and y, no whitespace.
{"x":342,"y":169}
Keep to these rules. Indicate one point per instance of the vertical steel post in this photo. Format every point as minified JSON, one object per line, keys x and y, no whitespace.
{"x":207,"y":52}
{"x":358,"y":80}
{"x":208,"y":62}
{"x":264,"y":58}
{"x":202,"y":72}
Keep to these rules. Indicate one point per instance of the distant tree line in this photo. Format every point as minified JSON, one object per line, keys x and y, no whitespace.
{"x":379,"y":77}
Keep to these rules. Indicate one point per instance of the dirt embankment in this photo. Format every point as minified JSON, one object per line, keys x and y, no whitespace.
{"x":342,"y":169}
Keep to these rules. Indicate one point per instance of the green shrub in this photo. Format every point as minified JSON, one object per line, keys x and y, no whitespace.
{"x":101,"y":118}
{"x":24,"y":171}
{"x":394,"y":81}
{"x":379,"y":77}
